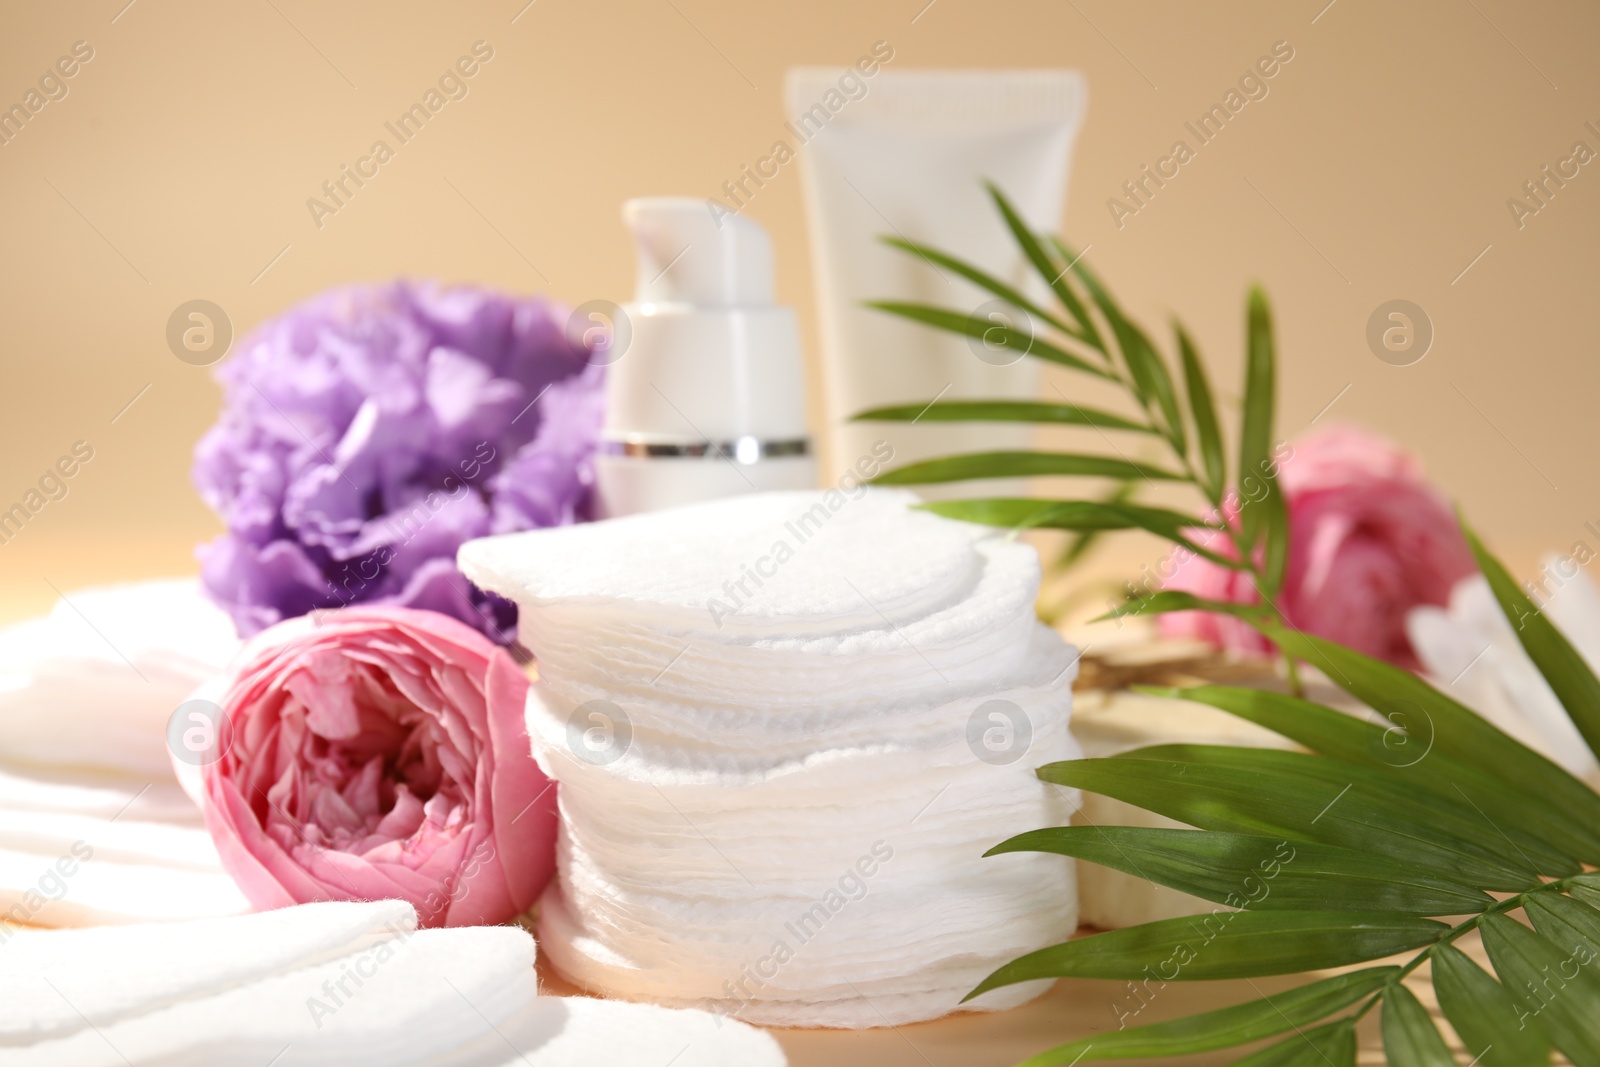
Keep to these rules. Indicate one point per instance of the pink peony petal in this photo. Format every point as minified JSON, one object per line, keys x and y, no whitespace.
{"x":382,"y":753}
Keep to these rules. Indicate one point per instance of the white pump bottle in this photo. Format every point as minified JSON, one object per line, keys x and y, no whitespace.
{"x":706,"y":391}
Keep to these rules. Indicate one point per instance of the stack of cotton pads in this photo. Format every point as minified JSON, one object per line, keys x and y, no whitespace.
{"x":786,"y":727}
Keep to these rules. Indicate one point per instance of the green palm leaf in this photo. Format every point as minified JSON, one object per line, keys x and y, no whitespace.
{"x":1564,"y":1000}
{"x":1046,"y":268}
{"x":1080,"y":515}
{"x":1276,"y":802}
{"x":1170,"y":600}
{"x":1258,"y":873}
{"x":1569,"y":923}
{"x":1204,"y":410}
{"x":1586,"y":888}
{"x":984,"y":280}
{"x":1333,"y":1045}
{"x":1422,"y":808}
{"x":1002,"y":411}
{"x":1458,"y":730}
{"x":1569,"y":676}
{"x":1447,"y":816}
{"x":1227,"y":1027}
{"x":1019,"y":465}
{"x":1405,"y":747}
{"x":1485,"y":1017}
{"x":1152,"y":384}
{"x":1148,"y":371}
{"x":999,"y":336}
{"x":1409,"y":1036}
{"x":1255,"y":439}
{"x":1025,"y":513}
{"x":1224,"y":944}
{"x":1081,"y":541}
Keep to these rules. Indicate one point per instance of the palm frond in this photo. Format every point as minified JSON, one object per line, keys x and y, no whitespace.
{"x":1402,"y":833}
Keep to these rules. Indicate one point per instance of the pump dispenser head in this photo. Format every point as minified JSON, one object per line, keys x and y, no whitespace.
{"x":708,"y":399}
{"x":733,"y":267}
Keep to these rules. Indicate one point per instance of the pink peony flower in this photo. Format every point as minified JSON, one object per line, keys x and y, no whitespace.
{"x":1369,"y":539}
{"x":380,"y":752}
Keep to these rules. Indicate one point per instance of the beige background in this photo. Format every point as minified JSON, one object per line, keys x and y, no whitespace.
{"x":1378,"y":167}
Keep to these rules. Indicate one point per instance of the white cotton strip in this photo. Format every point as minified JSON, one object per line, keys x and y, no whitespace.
{"x":584,"y":1032}
{"x":98,"y":794}
{"x":82,"y":847}
{"x":126,"y":840}
{"x":57,"y":982}
{"x":326,"y":985}
{"x":93,"y":826}
{"x":403,"y":1000}
{"x":93,"y":683}
{"x":34,"y":890}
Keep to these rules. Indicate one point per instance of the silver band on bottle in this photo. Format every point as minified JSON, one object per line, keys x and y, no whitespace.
{"x":745,"y":450}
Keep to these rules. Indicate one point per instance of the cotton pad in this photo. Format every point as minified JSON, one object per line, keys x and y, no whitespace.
{"x":327,"y":985}
{"x":113,"y":662}
{"x":754,"y":563}
{"x":786,"y":727}
{"x":93,"y":829}
{"x":82,"y":847}
{"x":57,"y":979}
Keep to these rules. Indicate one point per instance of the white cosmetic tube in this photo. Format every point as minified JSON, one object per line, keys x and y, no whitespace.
{"x":909,"y":158}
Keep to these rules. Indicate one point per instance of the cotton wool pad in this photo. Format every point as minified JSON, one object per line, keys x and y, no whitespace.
{"x":786,"y":727}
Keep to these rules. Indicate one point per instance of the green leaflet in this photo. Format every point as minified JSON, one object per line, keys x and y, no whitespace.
{"x":1446,"y":816}
{"x":1409,"y":1037}
{"x":1260,"y":389}
{"x":1569,"y":676}
{"x":1258,"y":873}
{"x":1036,"y":255}
{"x":1023,"y":513}
{"x":1204,"y":410}
{"x":1586,"y":888}
{"x":1002,"y":411}
{"x":1237,"y":1025}
{"x":1333,"y":1045}
{"x":1274,"y":802}
{"x":1401,"y":697}
{"x":1168,"y":600}
{"x":984,"y":280}
{"x":1081,"y":541}
{"x":998,"y":335}
{"x":1555,"y":990}
{"x":1027,"y":513}
{"x":1485,"y":1016}
{"x":1151,"y":381}
{"x":1457,"y":730}
{"x":1567,"y":923}
{"x":1224,"y":944}
{"x":1019,"y":465}
{"x":1148,"y":370}
{"x":1275,"y":537}
{"x":1405,"y":748}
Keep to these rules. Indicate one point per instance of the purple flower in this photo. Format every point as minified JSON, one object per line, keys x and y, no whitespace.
{"x":368,"y":432}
